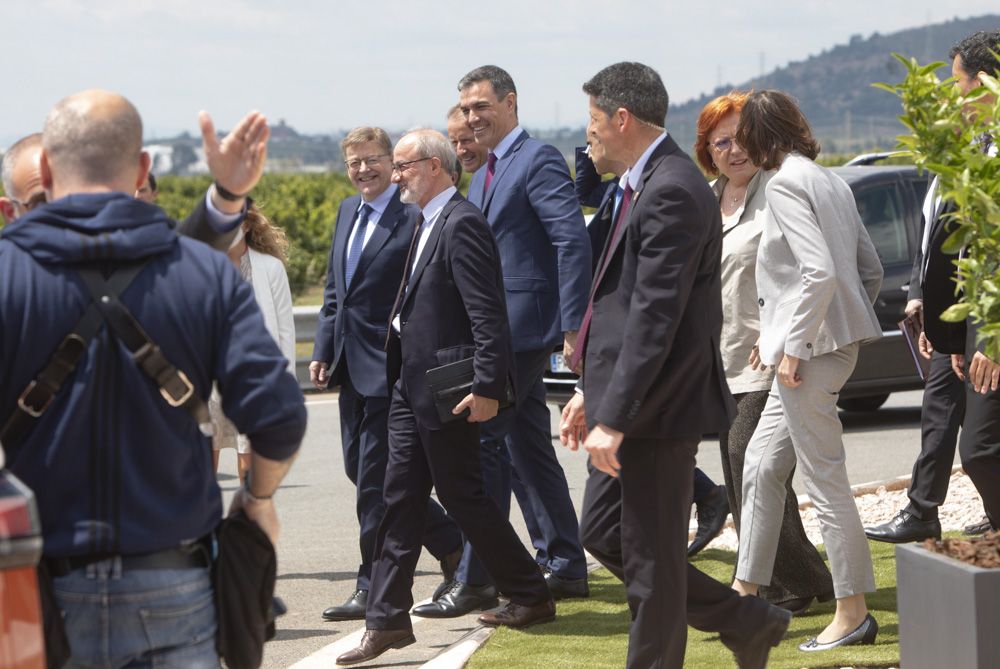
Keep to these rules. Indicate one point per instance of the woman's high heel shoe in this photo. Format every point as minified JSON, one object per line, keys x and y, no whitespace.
{"x":863,"y":635}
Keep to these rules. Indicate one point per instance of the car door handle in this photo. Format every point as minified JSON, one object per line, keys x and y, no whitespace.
{"x":905,"y":288}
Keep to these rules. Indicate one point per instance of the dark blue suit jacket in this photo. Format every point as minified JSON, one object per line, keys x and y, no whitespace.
{"x":592,"y":192}
{"x":453,"y":309}
{"x":544,"y":250}
{"x":354,"y":321}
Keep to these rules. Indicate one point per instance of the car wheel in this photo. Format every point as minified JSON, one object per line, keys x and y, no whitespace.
{"x":869,"y":403}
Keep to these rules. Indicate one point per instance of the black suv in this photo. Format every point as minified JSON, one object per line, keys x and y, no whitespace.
{"x":889,"y":198}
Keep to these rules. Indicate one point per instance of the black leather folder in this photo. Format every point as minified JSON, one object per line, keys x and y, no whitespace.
{"x":449,"y":384}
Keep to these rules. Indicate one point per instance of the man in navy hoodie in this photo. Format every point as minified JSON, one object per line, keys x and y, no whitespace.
{"x":123,"y":479}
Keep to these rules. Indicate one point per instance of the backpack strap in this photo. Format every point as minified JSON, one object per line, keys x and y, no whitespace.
{"x":173,"y":384}
{"x":105,"y":307}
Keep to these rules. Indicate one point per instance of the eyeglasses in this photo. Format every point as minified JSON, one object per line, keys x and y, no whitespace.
{"x":402,"y":167}
{"x":722,"y":145}
{"x":371,"y":161}
{"x":35,"y":200}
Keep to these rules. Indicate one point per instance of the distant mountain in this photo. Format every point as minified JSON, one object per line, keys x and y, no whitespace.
{"x":834,"y":87}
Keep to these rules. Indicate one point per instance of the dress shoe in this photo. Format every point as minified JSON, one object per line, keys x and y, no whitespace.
{"x":518,"y":615}
{"x":374,"y":643}
{"x":711,"y":512}
{"x":863,"y":635}
{"x":566,"y":588}
{"x":352,"y":609}
{"x":458,"y":600}
{"x":754,"y":654}
{"x":975,"y":529}
{"x":449,"y":565}
{"x":796,"y":606}
{"x":904,"y":528}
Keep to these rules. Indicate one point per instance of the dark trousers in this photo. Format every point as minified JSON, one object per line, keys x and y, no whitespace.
{"x":522,"y":438}
{"x":979,"y":447}
{"x":364,"y":436}
{"x":940,"y":417}
{"x":703,"y":485}
{"x":650,"y":505}
{"x":448,"y":460}
{"x":799,"y":570}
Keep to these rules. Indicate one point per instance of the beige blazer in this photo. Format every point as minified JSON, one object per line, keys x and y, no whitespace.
{"x":270,"y":288}
{"x":818,"y":273}
{"x":740,"y":313}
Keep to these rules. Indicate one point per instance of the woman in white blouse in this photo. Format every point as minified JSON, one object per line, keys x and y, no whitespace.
{"x":800,"y":575}
{"x":259,"y":252}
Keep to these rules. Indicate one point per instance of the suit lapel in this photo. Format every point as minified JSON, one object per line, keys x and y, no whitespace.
{"x":387,"y":224}
{"x":345,"y":221}
{"x":428,"y":251}
{"x":502,"y":165}
{"x":612,"y":245}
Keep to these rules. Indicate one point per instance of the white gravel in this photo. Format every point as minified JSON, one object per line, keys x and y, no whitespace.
{"x":877,"y":503}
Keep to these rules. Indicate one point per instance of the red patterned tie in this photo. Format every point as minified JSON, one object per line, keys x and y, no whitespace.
{"x":581,"y":338}
{"x":491,"y":164}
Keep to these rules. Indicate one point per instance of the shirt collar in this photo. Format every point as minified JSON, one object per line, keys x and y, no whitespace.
{"x":437,"y":203}
{"x":635,"y":172}
{"x":379,"y":204}
{"x":504,"y":145}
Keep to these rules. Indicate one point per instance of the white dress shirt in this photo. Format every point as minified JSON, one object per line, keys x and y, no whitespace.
{"x":378,"y":206}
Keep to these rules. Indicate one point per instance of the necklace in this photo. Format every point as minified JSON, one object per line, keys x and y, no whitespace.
{"x":735,"y":199}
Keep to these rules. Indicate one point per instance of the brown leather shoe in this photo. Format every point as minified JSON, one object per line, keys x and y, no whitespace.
{"x":517,"y":615}
{"x":374,"y":643}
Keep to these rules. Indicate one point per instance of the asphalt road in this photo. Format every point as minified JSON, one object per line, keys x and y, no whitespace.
{"x":317,"y":552}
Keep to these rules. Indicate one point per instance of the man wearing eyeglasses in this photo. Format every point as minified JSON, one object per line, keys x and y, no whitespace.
{"x":370,"y":240}
{"x":22,"y":178}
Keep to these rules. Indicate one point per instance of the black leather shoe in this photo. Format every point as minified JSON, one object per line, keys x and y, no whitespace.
{"x":518,"y":615}
{"x":374,"y":643}
{"x":863,"y":635}
{"x":449,"y":565}
{"x":975,"y":529}
{"x":458,"y":600}
{"x":904,"y":528}
{"x":566,"y":588}
{"x":754,"y":654}
{"x":796,"y":606}
{"x":352,"y":609}
{"x":711,"y":512}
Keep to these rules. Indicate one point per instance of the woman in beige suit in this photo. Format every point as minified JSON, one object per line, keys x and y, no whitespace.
{"x":800,"y":575}
{"x":817,"y":277}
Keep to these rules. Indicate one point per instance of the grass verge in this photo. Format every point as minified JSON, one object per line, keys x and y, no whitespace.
{"x":594,"y":632}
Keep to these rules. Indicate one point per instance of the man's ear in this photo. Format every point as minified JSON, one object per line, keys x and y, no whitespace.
{"x":623,"y":118}
{"x":145,"y":162}
{"x":7,"y":209}
{"x":45,"y":172}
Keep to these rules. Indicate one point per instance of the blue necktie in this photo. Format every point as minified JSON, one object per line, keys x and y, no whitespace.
{"x":358,"y":245}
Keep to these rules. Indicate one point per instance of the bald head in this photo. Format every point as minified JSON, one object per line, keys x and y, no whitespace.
{"x":92,"y":141}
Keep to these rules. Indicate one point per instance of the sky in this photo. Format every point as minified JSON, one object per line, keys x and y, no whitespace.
{"x":327,"y":65}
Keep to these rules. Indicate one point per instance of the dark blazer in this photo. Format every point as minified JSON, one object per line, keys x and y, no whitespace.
{"x":197,"y":227}
{"x":539,"y":229}
{"x":933,"y":281}
{"x":653,"y":368}
{"x":453,"y":308}
{"x":592,"y":192}
{"x":353,"y":323}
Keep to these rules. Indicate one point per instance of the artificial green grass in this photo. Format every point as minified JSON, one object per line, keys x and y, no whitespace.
{"x":593,"y":632}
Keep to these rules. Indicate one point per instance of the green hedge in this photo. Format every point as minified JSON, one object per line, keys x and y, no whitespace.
{"x":304,"y":205}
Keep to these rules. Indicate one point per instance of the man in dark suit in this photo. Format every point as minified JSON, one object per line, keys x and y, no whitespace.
{"x":449,"y":307}
{"x":653,"y":381}
{"x":370,"y":241}
{"x":526,"y":194}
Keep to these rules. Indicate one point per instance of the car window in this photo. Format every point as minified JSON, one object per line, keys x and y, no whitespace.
{"x":882,"y":213}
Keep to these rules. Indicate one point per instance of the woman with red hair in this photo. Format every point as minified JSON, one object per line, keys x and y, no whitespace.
{"x":800,"y":575}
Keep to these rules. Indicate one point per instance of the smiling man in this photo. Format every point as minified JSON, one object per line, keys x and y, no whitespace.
{"x":370,"y":240}
{"x":449,"y":307}
{"x":471,"y":154}
{"x":525,"y":192}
